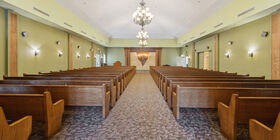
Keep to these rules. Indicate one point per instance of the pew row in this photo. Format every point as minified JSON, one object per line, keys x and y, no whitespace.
{"x":114,"y":87}
{"x":226,"y":83}
{"x":259,"y":131}
{"x":208,"y":97}
{"x":73,"y":95}
{"x":242,"y":109}
{"x":18,"y":130}
{"x":40,"y":106}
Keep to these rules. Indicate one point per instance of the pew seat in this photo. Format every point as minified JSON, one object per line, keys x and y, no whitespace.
{"x":39,"y":106}
{"x":242,"y":109}
{"x":18,"y":130}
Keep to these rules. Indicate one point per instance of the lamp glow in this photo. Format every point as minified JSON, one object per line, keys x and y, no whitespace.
{"x":78,"y":55}
{"x":36,"y":52}
{"x":251,"y":53}
{"x":60,"y":53}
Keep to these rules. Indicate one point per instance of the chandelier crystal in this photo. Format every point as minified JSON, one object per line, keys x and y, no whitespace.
{"x":143,"y":43}
{"x":142,"y":35}
{"x":142,"y":15}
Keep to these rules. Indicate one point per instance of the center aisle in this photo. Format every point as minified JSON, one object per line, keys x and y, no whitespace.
{"x":141,"y":113}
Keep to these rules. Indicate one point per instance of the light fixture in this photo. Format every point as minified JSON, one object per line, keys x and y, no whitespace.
{"x":251,"y":53}
{"x":264,"y":34}
{"x":143,"y":57}
{"x":58,"y":42}
{"x":60,"y":53}
{"x":230,"y":43}
{"x":142,"y":15}
{"x":24,"y":34}
{"x":143,"y":43}
{"x":87,"y":56}
{"x":227,"y":54}
{"x":36,"y":52}
{"x":142,"y":35}
{"x":78,"y":55}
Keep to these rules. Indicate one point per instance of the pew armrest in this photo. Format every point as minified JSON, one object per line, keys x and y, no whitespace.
{"x":107,"y":105}
{"x":21,"y":128}
{"x":175,"y":105}
{"x":259,"y":131}
{"x":223,"y":112}
{"x":58,"y":107}
{"x":54,"y":120}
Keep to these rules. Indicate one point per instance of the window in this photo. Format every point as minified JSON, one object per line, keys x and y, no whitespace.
{"x":97,"y":56}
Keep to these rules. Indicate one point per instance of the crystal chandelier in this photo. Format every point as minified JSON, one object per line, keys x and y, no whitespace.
{"x":142,"y":35}
{"x":142,"y":15}
{"x":143,"y":43}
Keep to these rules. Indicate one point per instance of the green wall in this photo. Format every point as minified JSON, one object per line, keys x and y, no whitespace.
{"x":43,"y":38}
{"x":169,"y":56}
{"x":115,"y":54}
{"x":83,"y":50}
{"x":201,"y":46}
{"x":244,"y":38}
{"x":187,"y":51}
{"x":2,"y":44}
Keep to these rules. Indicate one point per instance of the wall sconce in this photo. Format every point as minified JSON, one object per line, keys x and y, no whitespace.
{"x":78,"y":55}
{"x":230,"y":43}
{"x":251,"y":53}
{"x":60,"y":53}
{"x":36,"y":52}
{"x":87,"y":56}
{"x":264,"y":34}
{"x":227,"y":54}
{"x":58,"y":42}
{"x":24,"y":34}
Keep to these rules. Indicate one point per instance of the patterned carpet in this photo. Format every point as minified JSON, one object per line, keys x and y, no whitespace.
{"x":140,"y":114}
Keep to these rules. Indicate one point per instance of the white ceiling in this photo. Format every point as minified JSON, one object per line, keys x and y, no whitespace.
{"x":172,"y":18}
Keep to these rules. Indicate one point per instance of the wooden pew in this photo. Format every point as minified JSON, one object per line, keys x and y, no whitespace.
{"x":220,"y":83}
{"x":40,"y":106}
{"x":18,"y":130}
{"x":113,"y":93}
{"x":208,"y":97}
{"x":242,"y":109}
{"x":259,"y":131}
{"x":73,"y":95}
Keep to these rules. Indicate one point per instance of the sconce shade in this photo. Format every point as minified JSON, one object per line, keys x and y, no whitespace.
{"x":24,"y":34}
{"x":58,"y":42}
{"x":36,"y":52}
{"x":60,"y":54}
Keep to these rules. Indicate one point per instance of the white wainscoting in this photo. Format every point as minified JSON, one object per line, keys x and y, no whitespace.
{"x":135,"y":62}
